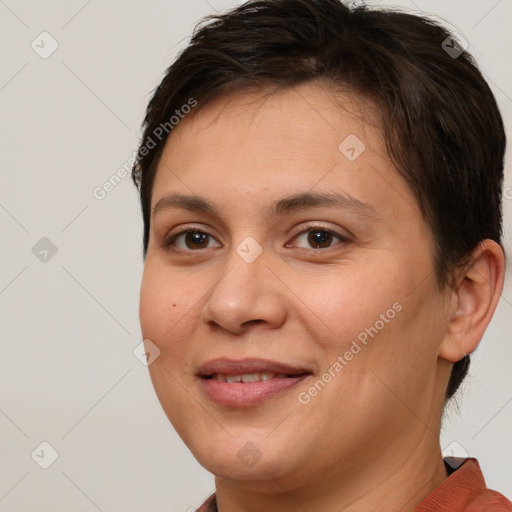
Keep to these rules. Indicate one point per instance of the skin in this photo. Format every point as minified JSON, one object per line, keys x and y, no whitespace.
{"x":370,"y":437}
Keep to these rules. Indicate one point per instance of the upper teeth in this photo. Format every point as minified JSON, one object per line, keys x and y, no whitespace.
{"x":247,"y":377}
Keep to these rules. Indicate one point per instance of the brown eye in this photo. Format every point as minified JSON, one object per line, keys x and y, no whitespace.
{"x":320,"y":239}
{"x":190,"y":240}
{"x":196,"y":240}
{"x":316,"y":237}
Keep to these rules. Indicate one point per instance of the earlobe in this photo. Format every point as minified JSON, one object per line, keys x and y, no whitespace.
{"x":474,"y":301}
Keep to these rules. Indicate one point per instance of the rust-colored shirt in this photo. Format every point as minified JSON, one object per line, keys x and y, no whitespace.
{"x":463,"y":491}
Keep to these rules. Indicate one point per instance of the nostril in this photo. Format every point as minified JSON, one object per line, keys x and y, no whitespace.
{"x":251,"y":322}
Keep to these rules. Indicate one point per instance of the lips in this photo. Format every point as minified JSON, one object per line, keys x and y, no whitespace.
{"x":248,"y":382}
{"x":230,"y":367}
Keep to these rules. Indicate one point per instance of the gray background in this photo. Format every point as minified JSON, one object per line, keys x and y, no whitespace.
{"x":70,"y":324}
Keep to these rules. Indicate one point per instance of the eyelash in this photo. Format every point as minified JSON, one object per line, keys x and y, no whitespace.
{"x":170,"y":240}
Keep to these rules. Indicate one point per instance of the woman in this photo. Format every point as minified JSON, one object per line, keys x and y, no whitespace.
{"x":320,"y":187}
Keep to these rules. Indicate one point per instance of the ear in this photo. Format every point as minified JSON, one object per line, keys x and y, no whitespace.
{"x":474,"y":301}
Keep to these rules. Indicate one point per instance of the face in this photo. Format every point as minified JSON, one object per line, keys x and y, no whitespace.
{"x":303,"y":264}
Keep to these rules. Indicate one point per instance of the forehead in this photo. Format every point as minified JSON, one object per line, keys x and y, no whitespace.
{"x":262,"y":142}
{"x":311,"y":112}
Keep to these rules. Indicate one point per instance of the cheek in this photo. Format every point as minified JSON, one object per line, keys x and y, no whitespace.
{"x":166,"y":312}
{"x":352,"y":305}
{"x":401,"y":348}
{"x":380,"y":320}
{"x":165,"y":307}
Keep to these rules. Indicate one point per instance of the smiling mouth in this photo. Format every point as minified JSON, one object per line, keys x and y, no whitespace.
{"x":248,"y":382}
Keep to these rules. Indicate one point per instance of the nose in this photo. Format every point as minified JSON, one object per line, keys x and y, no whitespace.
{"x":245,"y":294}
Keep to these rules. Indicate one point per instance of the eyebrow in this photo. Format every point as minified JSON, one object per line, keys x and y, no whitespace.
{"x":290,"y":204}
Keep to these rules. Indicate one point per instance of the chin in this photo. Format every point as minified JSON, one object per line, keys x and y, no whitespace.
{"x":262,"y":477}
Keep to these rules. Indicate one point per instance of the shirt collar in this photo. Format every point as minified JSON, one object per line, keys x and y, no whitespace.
{"x":464,"y":485}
